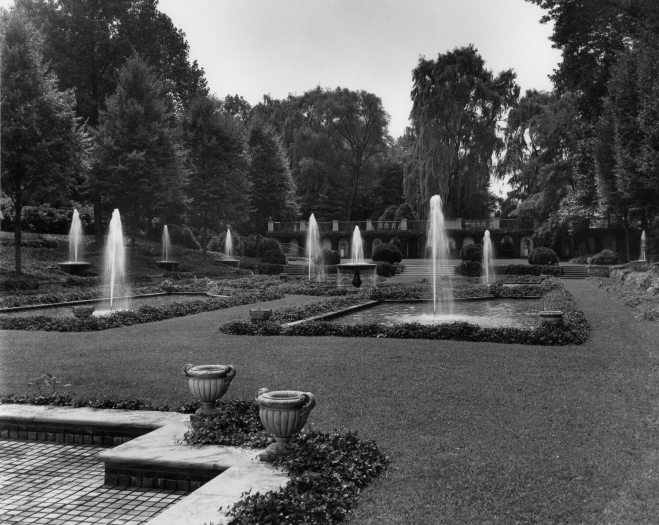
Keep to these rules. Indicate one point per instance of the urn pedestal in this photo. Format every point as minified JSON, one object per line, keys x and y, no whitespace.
{"x":283,"y":413}
{"x":83,"y":311}
{"x":551,"y":317}
{"x":208,"y":383}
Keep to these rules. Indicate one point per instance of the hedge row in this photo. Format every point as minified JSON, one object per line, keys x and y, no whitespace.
{"x":144,"y":314}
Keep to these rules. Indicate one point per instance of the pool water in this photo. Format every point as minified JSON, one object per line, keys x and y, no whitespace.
{"x":518,"y":313}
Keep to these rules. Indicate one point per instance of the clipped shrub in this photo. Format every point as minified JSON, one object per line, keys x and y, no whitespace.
{"x":267,"y":245}
{"x":250,"y":245}
{"x":384,"y":269}
{"x":389,"y":214}
{"x":387,"y":253}
{"x":274,"y":256}
{"x":331,"y":257}
{"x":604,"y":257}
{"x":543,"y":255}
{"x":471,"y":252}
{"x":470,"y":269}
{"x":269,"y":268}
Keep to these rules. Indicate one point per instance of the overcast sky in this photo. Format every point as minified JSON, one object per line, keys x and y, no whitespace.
{"x":277,"y":47}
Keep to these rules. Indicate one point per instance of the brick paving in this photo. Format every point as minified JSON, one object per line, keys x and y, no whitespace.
{"x":58,"y":484}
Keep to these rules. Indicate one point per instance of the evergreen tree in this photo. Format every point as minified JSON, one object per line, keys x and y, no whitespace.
{"x":219,"y":186}
{"x":273,"y":193}
{"x":139,"y":163}
{"x":42,"y":142}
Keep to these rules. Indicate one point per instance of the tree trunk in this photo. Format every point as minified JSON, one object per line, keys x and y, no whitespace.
{"x":18,"y":207}
{"x":204,"y":233}
{"x":98,"y":222}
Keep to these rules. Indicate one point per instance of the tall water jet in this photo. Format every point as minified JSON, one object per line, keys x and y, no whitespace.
{"x":166,"y":263}
{"x":438,"y":249}
{"x":228,"y":245}
{"x":75,"y":264}
{"x":488,"y":267}
{"x":357,"y":253}
{"x":115,"y":264}
{"x":165,"y":244}
{"x":357,"y":264}
{"x":314,"y":252}
{"x":642,"y":257}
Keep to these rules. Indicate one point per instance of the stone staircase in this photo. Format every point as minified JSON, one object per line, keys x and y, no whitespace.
{"x":574,"y":271}
{"x":416,"y":271}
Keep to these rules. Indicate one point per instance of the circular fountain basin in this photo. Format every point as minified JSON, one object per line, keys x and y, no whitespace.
{"x":230,"y":261}
{"x":74,"y":267}
{"x":168,"y":266}
{"x":356,"y":269}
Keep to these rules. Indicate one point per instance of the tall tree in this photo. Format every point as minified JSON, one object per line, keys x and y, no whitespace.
{"x":273,"y":192}
{"x":88,"y":41}
{"x":139,"y":163}
{"x":456,"y":105}
{"x":218,"y":187}
{"x":42,"y":141}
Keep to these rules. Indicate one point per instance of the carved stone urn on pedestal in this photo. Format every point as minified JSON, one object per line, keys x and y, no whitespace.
{"x":283,"y":413}
{"x":208,"y":383}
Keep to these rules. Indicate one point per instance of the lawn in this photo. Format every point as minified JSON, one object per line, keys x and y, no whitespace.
{"x":476,"y":431}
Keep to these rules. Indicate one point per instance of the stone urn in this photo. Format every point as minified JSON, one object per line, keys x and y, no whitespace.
{"x":208,"y":383}
{"x":551,"y":317}
{"x":283,"y":413}
{"x":260,"y":314}
{"x":83,"y":311}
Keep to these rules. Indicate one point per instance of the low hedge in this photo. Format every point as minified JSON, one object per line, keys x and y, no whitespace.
{"x":144,"y":314}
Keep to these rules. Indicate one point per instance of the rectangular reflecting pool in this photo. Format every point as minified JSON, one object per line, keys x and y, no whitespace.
{"x":515,"y":313}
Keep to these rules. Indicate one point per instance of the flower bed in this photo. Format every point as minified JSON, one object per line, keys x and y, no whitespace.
{"x":144,"y":314}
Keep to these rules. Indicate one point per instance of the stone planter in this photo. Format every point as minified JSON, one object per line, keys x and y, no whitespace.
{"x":208,"y":383}
{"x":283,"y":413}
{"x":83,"y":311}
{"x":260,"y":314}
{"x":551,"y":317}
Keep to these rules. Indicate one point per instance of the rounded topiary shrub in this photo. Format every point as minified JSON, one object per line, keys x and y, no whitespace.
{"x":543,"y":255}
{"x":470,"y":269}
{"x":251,"y":246}
{"x":274,"y":257}
{"x":384,"y":269}
{"x":388,"y":253}
{"x":604,"y":257}
{"x":268,"y":245}
{"x":331,"y":257}
{"x":471,"y":252}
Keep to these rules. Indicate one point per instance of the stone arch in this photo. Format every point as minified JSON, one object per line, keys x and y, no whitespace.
{"x":467,"y":241}
{"x":374,"y":244}
{"x":326,"y":243}
{"x":525,"y":246}
{"x":344,"y":249}
{"x":293,"y":248}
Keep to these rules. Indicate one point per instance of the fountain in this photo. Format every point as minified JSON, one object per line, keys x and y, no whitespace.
{"x":488,"y":267}
{"x":228,"y":250}
{"x":115,"y":265}
{"x":314,"y":251}
{"x":438,"y":249}
{"x":165,"y":262}
{"x":642,"y":257}
{"x":75,"y":265}
{"x":357,"y":263}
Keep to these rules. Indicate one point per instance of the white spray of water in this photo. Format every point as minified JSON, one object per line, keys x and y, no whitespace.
{"x":438,"y":250}
{"x":314,"y":252}
{"x":75,"y":238}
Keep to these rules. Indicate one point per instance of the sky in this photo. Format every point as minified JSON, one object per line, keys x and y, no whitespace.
{"x":282,"y":47}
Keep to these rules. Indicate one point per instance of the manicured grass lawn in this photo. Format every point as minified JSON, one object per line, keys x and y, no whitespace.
{"x":476,"y":431}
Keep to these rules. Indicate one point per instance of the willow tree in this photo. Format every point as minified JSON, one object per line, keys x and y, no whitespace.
{"x":456,"y":105}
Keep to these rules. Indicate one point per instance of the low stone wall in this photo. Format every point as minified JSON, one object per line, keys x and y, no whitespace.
{"x":646,"y":281}
{"x":598,"y":270}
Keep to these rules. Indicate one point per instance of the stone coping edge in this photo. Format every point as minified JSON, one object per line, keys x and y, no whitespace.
{"x":241,"y":471}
